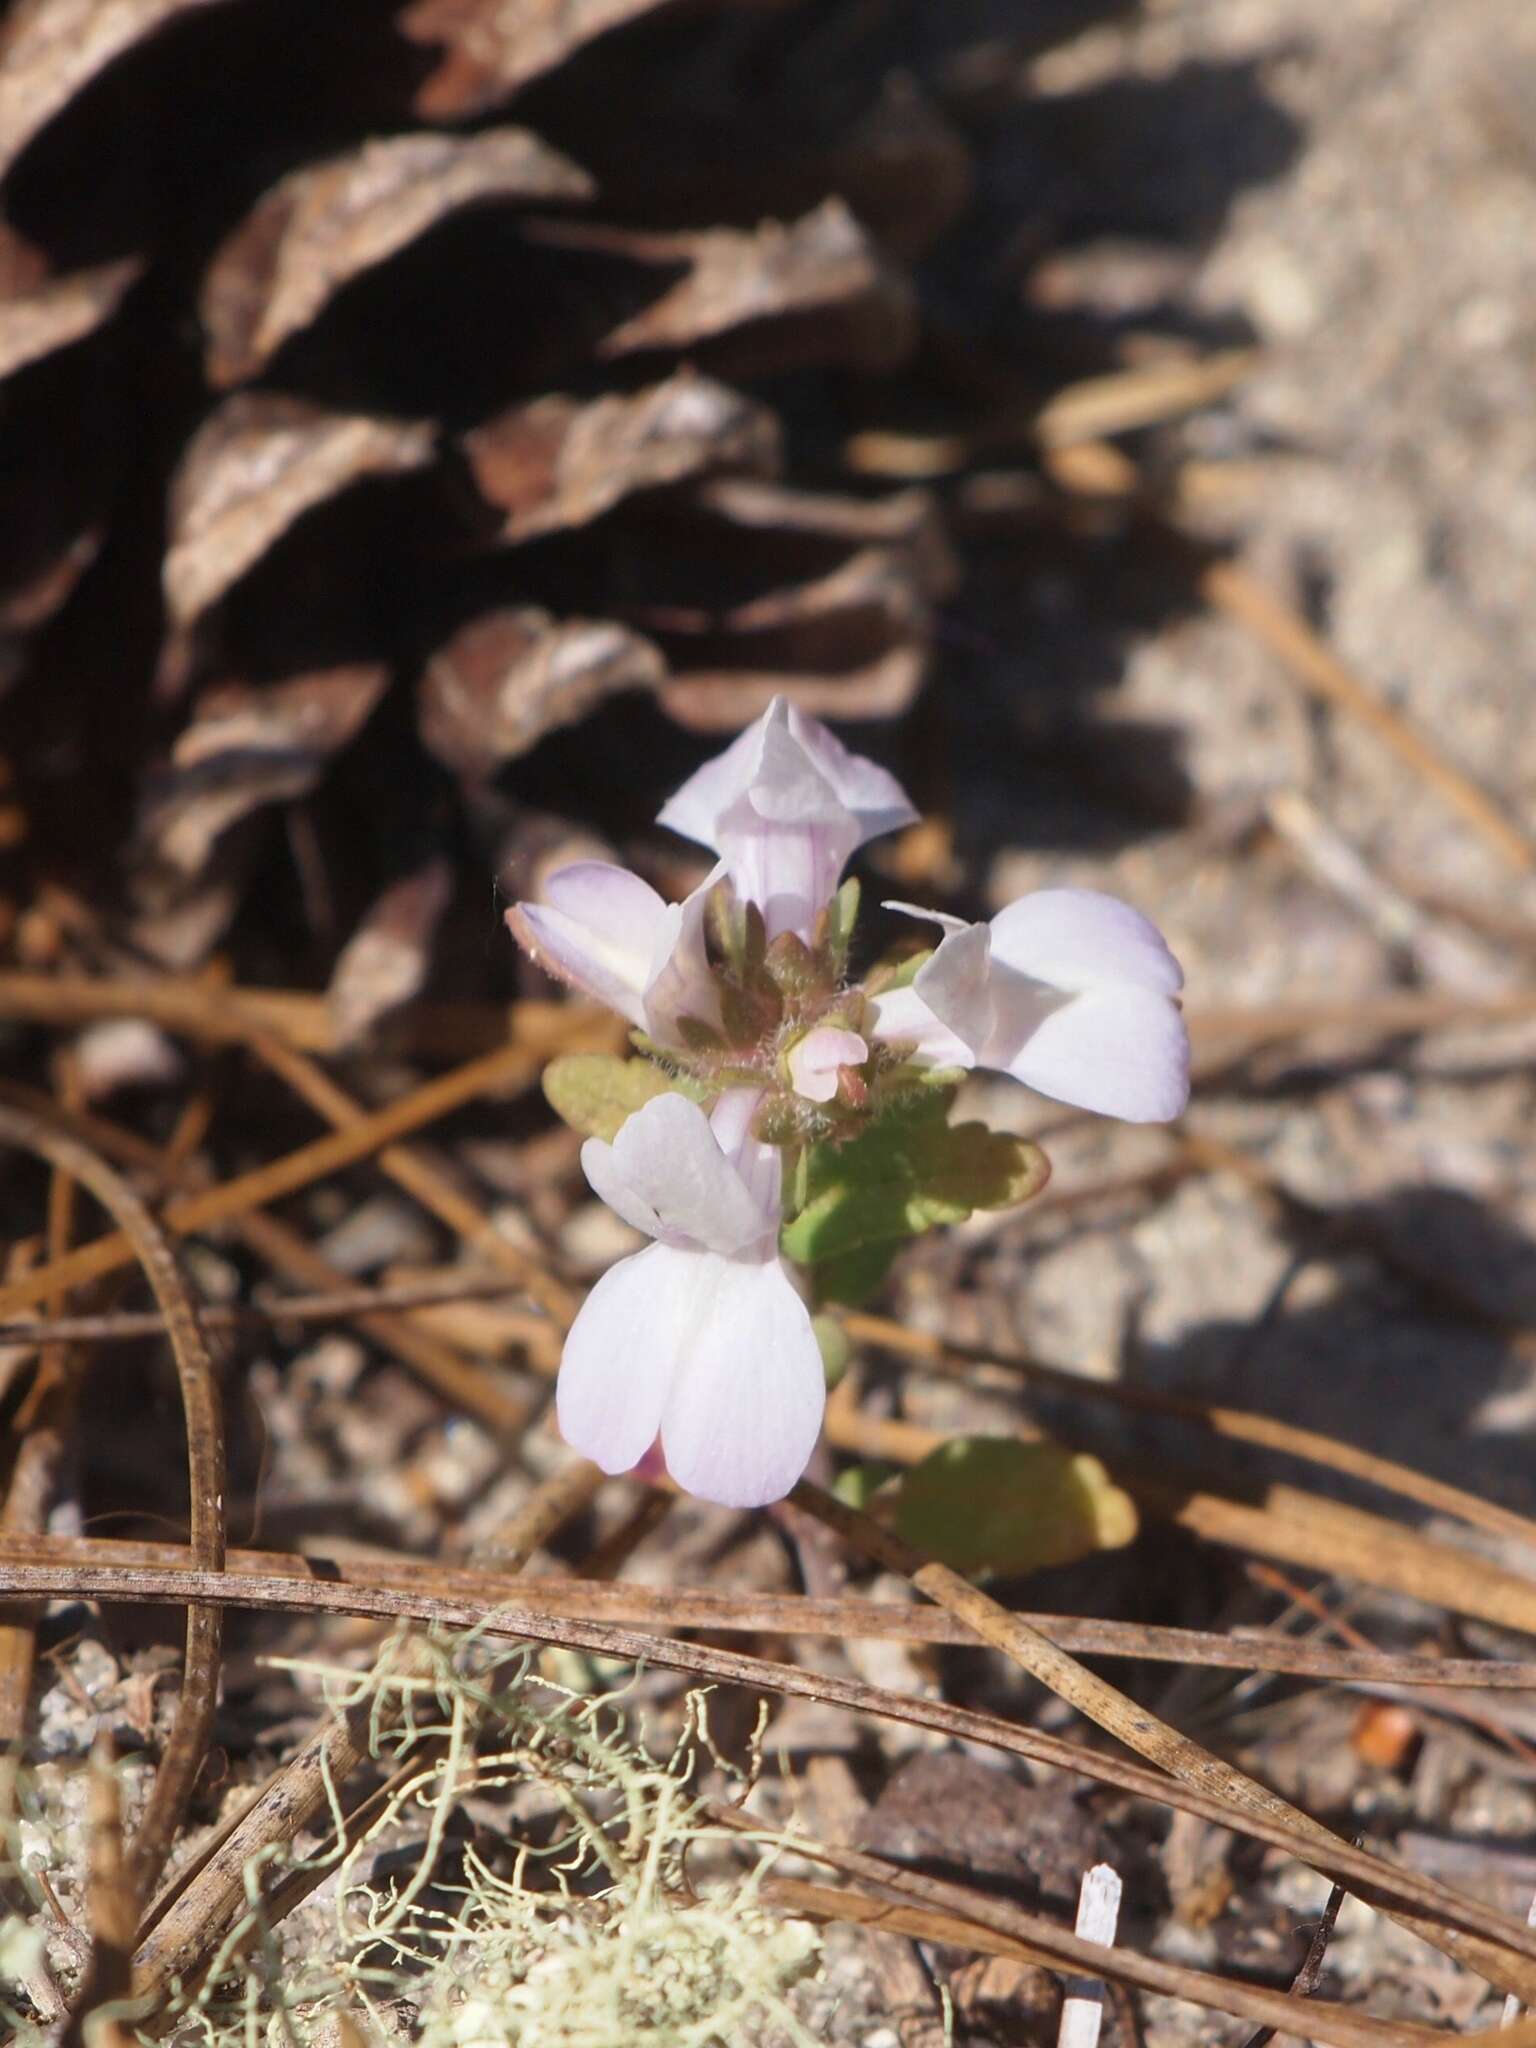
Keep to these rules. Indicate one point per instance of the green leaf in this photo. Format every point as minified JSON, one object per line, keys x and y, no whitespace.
{"x":595,"y":1091}
{"x":852,"y":1277}
{"x":909,"y":1171}
{"x":994,"y":1503}
{"x":857,"y":1485}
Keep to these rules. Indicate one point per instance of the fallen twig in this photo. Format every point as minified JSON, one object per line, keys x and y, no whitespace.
{"x":749,"y":1612}
{"x":1373,"y":1878}
{"x":187,"y":1742}
{"x":1134,"y":1725}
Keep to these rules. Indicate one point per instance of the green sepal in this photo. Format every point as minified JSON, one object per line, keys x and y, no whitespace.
{"x":698,"y":1036}
{"x":837,"y":923}
{"x":792,"y":966}
{"x":899,"y":973}
{"x":750,"y":1010}
{"x":594,"y":1092}
{"x":909,"y":1171}
{"x":997,"y":1504}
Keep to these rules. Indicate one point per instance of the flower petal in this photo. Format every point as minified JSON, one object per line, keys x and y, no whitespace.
{"x":814,"y":1062}
{"x":696,"y":809}
{"x":956,"y":984}
{"x":666,"y":1174}
{"x":1118,"y":1051}
{"x":902,"y":1018}
{"x":1078,"y":939}
{"x":746,"y":1404}
{"x":871,"y":792}
{"x":596,"y":929}
{"x":788,"y":786}
{"x":793,"y":771}
{"x":790,"y":872}
{"x":608,"y":1183}
{"x":679,"y":983}
{"x":621,"y":1355}
{"x":760,"y":1166}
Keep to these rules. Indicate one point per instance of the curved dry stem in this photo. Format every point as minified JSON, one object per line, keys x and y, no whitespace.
{"x":187,"y":1742}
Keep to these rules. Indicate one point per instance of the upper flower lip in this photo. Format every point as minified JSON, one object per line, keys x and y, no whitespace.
{"x":791,"y":770}
{"x":786,"y":806}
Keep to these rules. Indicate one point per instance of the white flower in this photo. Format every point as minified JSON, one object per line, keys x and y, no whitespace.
{"x":1069,"y":991}
{"x":606,"y":932}
{"x":814,"y":1063}
{"x":701,"y":1337}
{"x":786,"y":806}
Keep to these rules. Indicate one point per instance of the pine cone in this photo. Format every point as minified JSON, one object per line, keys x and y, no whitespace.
{"x":386,"y":385}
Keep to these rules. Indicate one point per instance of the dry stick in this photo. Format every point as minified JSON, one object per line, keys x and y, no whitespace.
{"x":1284,"y":1522}
{"x":187,"y":1923}
{"x":1370,"y":1876}
{"x":786,"y":1614}
{"x":1240,"y":1425}
{"x":409,"y":1170}
{"x":1320,"y":671}
{"x":1302,"y":1528}
{"x":283,"y":1248}
{"x":951,"y":1913}
{"x":1124,"y":399}
{"x":465,"y":1385}
{"x":1337,"y":1624}
{"x":468,"y":1030}
{"x":187,"y":1742}
{"x":196,"y":1008}
{"x":43,"y":1425}
{"x":340,"y":1305}
{"x":1135,"y":1726}
{"x":1309,"y":1976}
{"x":512,"y":1066}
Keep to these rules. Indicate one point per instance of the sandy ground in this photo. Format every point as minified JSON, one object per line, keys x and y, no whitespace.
{"x":1354,"y":188}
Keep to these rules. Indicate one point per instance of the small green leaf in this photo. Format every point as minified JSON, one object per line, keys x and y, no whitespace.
{"x":996,"y":1504}
{"x":594,"y":1092}
{"x":909,"y":1171}
{"x":856,"y":1485}
{"x":852,"y":1277}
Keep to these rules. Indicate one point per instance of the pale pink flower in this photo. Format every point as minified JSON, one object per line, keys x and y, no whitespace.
{"x":700,"y":1338}
{"x":1070,"y":991}
{"x":786,"y":806}
{"x":606,"y":932}
{"x":815,"y":1062}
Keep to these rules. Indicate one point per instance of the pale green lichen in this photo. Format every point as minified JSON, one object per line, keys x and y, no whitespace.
{"x":535,"y":1878}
